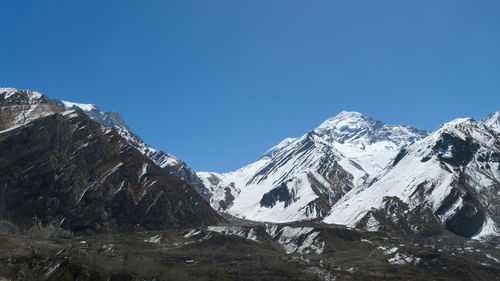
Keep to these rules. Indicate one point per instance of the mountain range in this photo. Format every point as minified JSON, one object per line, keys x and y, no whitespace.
{"x":350,"y":170}
{"x":84,"y":197}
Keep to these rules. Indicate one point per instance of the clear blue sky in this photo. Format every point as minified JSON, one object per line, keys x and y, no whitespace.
{"x":219,"y":82}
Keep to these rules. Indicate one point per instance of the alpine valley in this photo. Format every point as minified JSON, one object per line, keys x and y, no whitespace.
{"x":82,"y":197}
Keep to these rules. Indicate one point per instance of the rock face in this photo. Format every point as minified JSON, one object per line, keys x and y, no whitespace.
{"x":303,"y":178}
{"x":453,"y":176}
{"x":66,"y":170}
{"x":168,"y":162}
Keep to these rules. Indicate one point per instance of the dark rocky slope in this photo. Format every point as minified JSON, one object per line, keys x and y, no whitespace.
{"x":67,"y":170}
{"x":168,"y":162}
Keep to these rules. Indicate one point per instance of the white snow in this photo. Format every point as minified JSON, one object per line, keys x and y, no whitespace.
{"x":489,"y":228}
{"x":82,"y":106}
{"x":391,"y":251}
{"x":235,"y":230}
{"x":68,"y":112}
{"x":372,"y":224}
{"x":99,"y":181}
{"x":192,"y":233}
{"x":10,"y":129}
{"x":143,"y":171}
{"x":402,"y":258}
{"x":497,"y":260}
{"x":289,"y":238}
{"x":154,"y":239}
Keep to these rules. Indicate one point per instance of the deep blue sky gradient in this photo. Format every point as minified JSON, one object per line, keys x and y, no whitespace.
{"x":217,"y":83}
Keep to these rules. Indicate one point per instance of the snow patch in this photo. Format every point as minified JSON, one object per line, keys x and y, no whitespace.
{"x":154,"y":239}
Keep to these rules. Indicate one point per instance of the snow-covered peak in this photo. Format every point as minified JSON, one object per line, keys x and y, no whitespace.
{"x":493,"y":121}
{"x":11,"y":96}
{"x":82,"y":106}
{"x":108,"y":119}
{"x":457,"y":122}
{"x":356,"y":128}
{"x":343,"y":120}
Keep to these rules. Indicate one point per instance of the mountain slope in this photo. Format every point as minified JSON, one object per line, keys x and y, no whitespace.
{"x":168,"y":162}
{"x":302,"y":178}
{"x":69,"y":171}
{"x":452,"y":176}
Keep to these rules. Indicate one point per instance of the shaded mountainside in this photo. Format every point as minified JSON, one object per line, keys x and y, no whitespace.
{"x":167,"y":161}
{"x":303,"y":178}
{"x":452,"y":178}
{"x":69,"y":171}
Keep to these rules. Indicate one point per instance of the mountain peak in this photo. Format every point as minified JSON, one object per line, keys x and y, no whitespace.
{"x":460,"y":126}
{"x":108,"y":119}
{"x":458,"y":121}
{"x":343,"y":119}
{"x":354,"y":127}
{"x":349,"y":114}
{"x":12,"y":96}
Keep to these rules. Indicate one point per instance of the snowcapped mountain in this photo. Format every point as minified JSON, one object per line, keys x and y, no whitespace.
{"x":167,"y":161}
{"x":350,"y":170}
{"x":18,"y":107}
{"x":303,"y":178}
{"x":451,"y":177}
